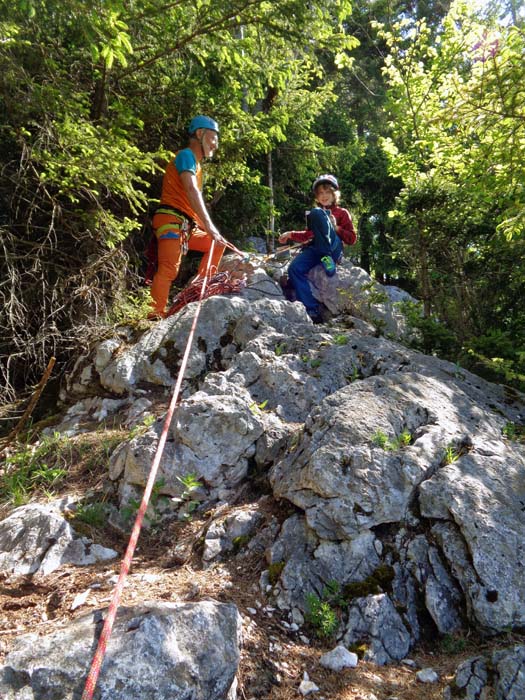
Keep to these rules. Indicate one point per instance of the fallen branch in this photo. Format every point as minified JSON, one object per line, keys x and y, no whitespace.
{"x":31,"y":406}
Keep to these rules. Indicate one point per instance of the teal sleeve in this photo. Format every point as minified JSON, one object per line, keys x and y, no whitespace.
{"x":185,"y":161}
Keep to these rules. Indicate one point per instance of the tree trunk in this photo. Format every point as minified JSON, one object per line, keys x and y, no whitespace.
{"x":270,"y":238}
{"x":424,"y":277}
{"x":98,"y":103}
{"x":363,"y":236}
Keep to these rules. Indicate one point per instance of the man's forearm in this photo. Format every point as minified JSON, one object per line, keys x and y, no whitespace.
{"x":197,"y":204}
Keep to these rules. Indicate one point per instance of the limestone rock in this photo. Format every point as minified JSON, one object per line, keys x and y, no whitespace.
{"x":510,"y":668}
{"x":339,"y":659}
{"x":230,"y":533}
{"x":38,"y":539}
{"x":375,"y":622}
{"x":156,"y":651}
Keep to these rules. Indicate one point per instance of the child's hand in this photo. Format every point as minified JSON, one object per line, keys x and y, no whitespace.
{"x":284,"y":237}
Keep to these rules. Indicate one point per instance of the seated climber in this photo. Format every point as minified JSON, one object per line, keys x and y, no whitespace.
{"x":329,"y":225}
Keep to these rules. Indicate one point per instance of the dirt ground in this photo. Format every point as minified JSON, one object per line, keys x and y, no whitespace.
{"x":167,"y":566}
{"x":273,"y":659}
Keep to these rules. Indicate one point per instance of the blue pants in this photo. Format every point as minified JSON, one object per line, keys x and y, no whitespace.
{"x":326,"y":242}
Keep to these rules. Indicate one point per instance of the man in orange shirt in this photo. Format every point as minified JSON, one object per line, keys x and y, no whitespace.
{"x":181,"y":221}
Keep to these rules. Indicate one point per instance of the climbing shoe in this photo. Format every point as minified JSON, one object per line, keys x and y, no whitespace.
{"x":315,"y":315}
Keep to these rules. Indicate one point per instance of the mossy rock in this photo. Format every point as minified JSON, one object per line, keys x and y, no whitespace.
{"x":274,"y":571}
{"x":379,"y":581}
{"x":240,"y":542}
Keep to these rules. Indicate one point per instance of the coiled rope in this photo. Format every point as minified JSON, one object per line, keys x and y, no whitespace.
{"x":219,"y":283}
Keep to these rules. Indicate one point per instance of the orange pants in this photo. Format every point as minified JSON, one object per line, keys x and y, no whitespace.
{"x":169,"y":255}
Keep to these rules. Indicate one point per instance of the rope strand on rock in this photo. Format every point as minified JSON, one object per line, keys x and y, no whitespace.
{"x":100,"y":652}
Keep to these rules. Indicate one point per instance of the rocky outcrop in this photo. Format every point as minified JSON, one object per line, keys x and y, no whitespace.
{"x":394,"y":458}
{"x":37,"y":538}
{"x":157,"y":650}
{"x":408,"y":497}
{"x":502,"y":676}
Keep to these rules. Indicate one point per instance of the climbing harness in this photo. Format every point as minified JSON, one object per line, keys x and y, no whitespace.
{"x":100,"y":652}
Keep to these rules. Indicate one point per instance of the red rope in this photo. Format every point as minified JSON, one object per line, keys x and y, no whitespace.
{"x":96,"y":664}
{"x":220,"y":283}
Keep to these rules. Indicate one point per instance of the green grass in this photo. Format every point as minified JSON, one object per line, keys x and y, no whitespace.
{"x":35,"y":467}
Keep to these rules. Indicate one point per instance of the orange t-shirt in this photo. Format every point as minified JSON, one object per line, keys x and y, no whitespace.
{"x":173,"y":192}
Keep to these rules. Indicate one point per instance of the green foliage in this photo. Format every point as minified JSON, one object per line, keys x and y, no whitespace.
{"x":515,"y":432}
{"x":428,"y":334}
{"x":321,"y":612}
{"x":280,"y":348}
{"x":379,"y":581}
{"x":457,"y":143}
{"x":381,"y":439}
{"x":32,"y":468}
{"x":94,"y":101}
{"x":453,"y":644}
{"x":321,"y":616}
{"x":451,"y":455}
{"x":94,"y":514}
{"x":257,"y":408}
{"x":354,"y":376}
{"x":142,"y":427}
{"x":497,"y":369}
{"x":240,"y":542}
{"x":374,"y":295}
{"x":341,"y":339}
{"x":422,"y":121}
{"x":152,"y":515}
{"x":189,"y":483}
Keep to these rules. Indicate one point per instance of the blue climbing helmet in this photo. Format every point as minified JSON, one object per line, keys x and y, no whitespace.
{"x":202,"y":122}
{"x":326,"y":179}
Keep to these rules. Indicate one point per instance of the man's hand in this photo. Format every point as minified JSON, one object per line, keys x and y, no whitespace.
{"x":220,"y":239}
{"x":284,"y":237}
{"x":214,"y":233}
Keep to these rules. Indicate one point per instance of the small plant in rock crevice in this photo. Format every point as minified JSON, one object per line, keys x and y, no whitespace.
{"x":274,"y":571}
{"x":381,"y":439}
{"x":321,"y":616}
{"x":451,"y":455}
{"x":190,"y":483}
{"x":94,"y":514}
{"x":142,"y":427}
{"x":514,"y":432}
{"x":354,"y":376}
{"x":130,"y":510}
{"x":452,"y":644}
{"x":257,"y":408}
{"x":321,"y":612}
